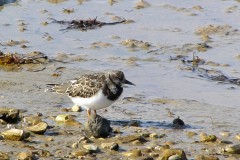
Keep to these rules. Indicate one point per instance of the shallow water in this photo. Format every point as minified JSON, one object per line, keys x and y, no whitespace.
{"x":167,"y":25}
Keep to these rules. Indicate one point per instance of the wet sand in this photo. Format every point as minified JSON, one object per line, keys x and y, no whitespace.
{"x":165,"y":89}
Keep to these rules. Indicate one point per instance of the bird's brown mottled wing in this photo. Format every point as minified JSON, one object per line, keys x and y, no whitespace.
{"x":86,"y":86}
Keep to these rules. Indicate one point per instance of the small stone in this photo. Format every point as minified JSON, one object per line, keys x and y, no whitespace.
{"x":136,"y":142}
{"x":62,"y":118}
{"x":78,"y":153}
{"x":50,"y":139}
{"x":206,"y":157}
{"x":74,"y":145}
{"x":76,"y":108}
{"x":91,"y":147}
{"x":191,"y":134}
{"x":112,"y":146}
{"x":15,"y":134}
{"x":141,"y":4}
{"x":97,"y":127}
{"x":9,"y":115}
{"x":145,"y":134}
{"x":24,"y":156}
{"x":131,"y":138}
{"x":225,"y":134}
{"x":134,"y":153}
{"x":174,"y":157}
{"x":238,"y":136}
{"x":207,"y":138}
{"x":134,"y":123}
{"x":4,"y":156}
{"x":39,"y":128}
{"x":233,"y":149}
{"x":31,"y":120}
{"x":156,"y":135}
{"x":178,"y":123}
{"x":170,"y":152}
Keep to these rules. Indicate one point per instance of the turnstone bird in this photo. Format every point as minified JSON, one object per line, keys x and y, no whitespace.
{"x":94,"y":91}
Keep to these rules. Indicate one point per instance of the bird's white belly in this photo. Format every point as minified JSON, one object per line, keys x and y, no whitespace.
{"x":98,"y":101}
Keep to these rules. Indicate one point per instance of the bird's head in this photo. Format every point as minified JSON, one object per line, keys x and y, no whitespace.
{"x":118,"y":78}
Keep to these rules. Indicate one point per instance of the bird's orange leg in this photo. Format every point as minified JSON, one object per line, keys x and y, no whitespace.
{"x":88,"y":112}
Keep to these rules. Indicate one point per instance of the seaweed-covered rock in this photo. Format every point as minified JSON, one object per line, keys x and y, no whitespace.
{"x":9,"y":115}
{"x":171,"y":152}
{"x":39,"y":128}
{"x":4,"y":156}
{"x":15,"y":134}
{"x":97,"y":127}
{"x":233,"y":149}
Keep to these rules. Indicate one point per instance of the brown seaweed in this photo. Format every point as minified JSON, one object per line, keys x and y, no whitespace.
{"x":17,"y":59}
{"x":85,"y":25}
{"x":210,"y":74}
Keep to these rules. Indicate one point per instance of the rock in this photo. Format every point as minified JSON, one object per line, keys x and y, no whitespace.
{"x":170,"y":152}
{"x":205,"y":157}
{"x":134,"y":153}
{"x":225,"y":134}
{"x":178,"y":123}
{"x":233,"y":149}
{"x":141,"y":4}
{"x":207,"y":138}
{"x":15,"y":134}
{"x":238,"y":136}
{"x":191,"y":134}
{"x":39,"y":128}
{"x":25,"y":156}
{"x":91,"y":147}
{"x":9,"y":115}
{"x":74,"y":145}
{"x":156,"y":135}
{"x":131,"y":138}
{"x":97,"y":127}
{"x":174,"y":157}
{"x":112,"y":146}
{"x":134,"y":123}
{"x":62,"y":118}
{"x":31,"y":120}
{"x":4,"y":156}
{"x":78,"y":153}
{"x":76,"y":108}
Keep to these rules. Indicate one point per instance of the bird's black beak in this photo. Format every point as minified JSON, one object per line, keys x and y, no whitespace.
{"x":128,"y":82}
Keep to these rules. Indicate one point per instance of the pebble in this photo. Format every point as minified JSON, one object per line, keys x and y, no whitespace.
{"x":225,"y":134}
{"x":206,"y":157}
{"x":156,"y":135}
{"x":233,"y":149}
{"x":97,"y":127}
{"x":174,"y":157}
{"x":62,"y":117}
{"x":238,"y":136}
{"x":131,"y":138}
{"x":24,"y":156}
{"x":15,"y":134}
{"x":208,"y":138}
{"x":134,"y":153}
{"x":74,"y":145}
{"x":171,"y":152}
{"x":91,"y":147}
{"x":4,"y":156}
{"x":112,"y":146}
{"x":76,"y":108}
{"x":191,"y":134}
{"x":39,"y":128}
{"x":32,"y":120}
{"x":78,"y":153}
